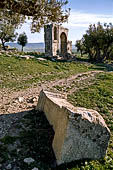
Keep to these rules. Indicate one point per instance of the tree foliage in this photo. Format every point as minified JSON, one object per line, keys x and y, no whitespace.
{"x":80,"y":46}
{"x":22,"y":39}
{"x":98,"y":42}
{"x":40,"y":11}
{"x":11,"y":17}
{"x":7,"y":27}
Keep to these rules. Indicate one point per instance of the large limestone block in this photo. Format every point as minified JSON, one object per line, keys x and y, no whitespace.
{"x":80,"y":133}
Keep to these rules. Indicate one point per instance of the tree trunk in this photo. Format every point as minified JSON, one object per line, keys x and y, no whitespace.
{"x":22,"y":48}
{"x":90,"y":55}
{"x":98,"y":59}
{"x":3,"y":45}
{"x":81,"y":52}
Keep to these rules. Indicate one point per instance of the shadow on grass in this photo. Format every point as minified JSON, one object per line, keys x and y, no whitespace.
{"x":32,"y":135}
{"x":102,"y":66}
{"x":82,"y":59}
{"x":98,"y":66}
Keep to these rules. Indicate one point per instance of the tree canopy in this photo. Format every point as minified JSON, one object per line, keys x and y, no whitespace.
{"x":22,"y":39}
{"x":80,"y":46}
{"x":98,"y":42}
{"x":8,"y":24}
{"x":40,"y":11}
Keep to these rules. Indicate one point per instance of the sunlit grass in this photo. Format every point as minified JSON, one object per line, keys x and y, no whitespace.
{"x":17,"y":73}
{"x":98,"y":96}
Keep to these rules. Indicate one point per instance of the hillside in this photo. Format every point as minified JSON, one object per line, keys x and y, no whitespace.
{"x":33,"y":47}
{"x":29,"y":47}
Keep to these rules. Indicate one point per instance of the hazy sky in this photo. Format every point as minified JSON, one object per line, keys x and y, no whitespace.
{"x":83,"y":13}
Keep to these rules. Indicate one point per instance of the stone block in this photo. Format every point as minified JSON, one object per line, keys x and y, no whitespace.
{"x":80,"y":133}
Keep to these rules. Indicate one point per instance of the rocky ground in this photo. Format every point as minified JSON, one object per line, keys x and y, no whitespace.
{"x":22,"y":128}
{"x":23,"y":100}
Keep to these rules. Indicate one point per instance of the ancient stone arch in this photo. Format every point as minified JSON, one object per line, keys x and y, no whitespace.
{"x":56,"y":40}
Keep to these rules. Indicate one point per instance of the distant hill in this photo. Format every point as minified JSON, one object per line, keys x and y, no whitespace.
{"x":33,"y":47}
{"x":29,"y":47}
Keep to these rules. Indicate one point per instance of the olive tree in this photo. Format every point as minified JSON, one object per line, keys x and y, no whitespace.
{"x":98,"y":42}
{"x":22,"y":39}
{"x":8,"y":24}
{"x":80,"y":46}
{"x":40,"y":11}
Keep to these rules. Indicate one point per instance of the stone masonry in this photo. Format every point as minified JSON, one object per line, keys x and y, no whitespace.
{"x":56,"y":41}
{"x":80,"y":133}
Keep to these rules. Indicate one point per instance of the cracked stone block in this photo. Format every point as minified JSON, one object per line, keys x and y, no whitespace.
{"x":80,"y":133}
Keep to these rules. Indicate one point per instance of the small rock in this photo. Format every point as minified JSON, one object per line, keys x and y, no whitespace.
{"x":18,"y":150}
{"x":41,"y":59}
{"x":29,"y":160}
{"x":35,"y":99}
{"x":20,"y":99}
{"x":8,"y":166}
{"x":32,"y":100}
{"x":35,"y":169}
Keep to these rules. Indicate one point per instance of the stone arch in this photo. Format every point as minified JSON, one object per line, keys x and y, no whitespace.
{"x":63,"y":43}
{"x":55,"y":33}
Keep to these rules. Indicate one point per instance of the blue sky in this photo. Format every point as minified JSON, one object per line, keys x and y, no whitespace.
{"x":83,"y":13}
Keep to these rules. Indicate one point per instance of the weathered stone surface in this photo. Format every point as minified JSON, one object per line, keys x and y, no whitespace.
{"x":35,"y":169}
{"x":80,"y":133}
{"x":56,"y":42}
{"x":29,"y":160}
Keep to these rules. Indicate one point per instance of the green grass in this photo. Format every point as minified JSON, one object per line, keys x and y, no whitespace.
{"x":17,"y":73}
{"x":98,"y":96}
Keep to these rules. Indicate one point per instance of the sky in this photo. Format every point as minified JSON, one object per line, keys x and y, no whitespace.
{"x":83,"y":13}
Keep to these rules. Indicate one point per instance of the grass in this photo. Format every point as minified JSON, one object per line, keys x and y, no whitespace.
{"x":17,"y":73}
{"x":98,"y":96}
{"x":36,"y":138}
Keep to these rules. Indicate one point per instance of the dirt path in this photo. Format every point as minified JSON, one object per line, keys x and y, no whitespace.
{"x":14,"y":102}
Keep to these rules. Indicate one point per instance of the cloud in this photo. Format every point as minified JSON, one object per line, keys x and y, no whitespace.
{"x":82,"y":19}
{"x":32,"y":37}
{"x":78,"y":23}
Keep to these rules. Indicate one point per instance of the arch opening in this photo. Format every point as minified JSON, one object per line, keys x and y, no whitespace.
{"x":55,"y":33}
{"x":63,"y":46}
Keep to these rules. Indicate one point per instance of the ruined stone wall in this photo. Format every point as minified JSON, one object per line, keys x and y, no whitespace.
{"x":69,"y":47}
{"x":48,"y":40}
